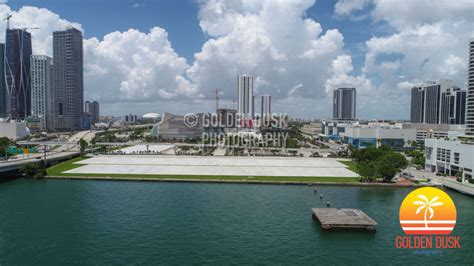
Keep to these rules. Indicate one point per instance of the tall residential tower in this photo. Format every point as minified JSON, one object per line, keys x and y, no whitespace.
{"x":344,"y":104}
{"x":438,"y":103}
{"x":3,"y":88}
{"x":41,"y":89}
{"x":453,"y":106}
{"x":266,"y":105}
{"x":92,"y":108}
{"x":17,"y":73}
{"x":245,"y":100}
{"x":417,"y":110}
{"x":470,"y":93}
{"x":432,"y":103}
{"x":68,"y":83}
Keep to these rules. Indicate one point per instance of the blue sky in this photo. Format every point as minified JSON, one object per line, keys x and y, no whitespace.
{"x":98,"y":18}
{"x":297,"y":50}
{"x":180,"y":19}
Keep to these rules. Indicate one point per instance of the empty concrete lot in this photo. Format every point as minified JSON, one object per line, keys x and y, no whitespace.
{"x":224,"y":166}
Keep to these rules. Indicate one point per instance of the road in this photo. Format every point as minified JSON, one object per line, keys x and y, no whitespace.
{"x":59,"y":153}
{"x":17,"y":164}
{"x":87,"y":135}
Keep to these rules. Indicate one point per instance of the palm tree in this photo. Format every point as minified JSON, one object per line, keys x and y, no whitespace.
{"x":427,"y":205}
{"x":83,"y":146}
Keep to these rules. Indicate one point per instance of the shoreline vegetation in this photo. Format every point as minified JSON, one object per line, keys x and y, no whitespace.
{"x":57,"y":172}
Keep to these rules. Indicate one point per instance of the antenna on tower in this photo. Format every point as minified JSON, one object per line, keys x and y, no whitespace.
{"x":8,"y":20}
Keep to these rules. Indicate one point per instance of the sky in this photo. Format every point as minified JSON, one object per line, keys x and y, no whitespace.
{"x":145,"y":56}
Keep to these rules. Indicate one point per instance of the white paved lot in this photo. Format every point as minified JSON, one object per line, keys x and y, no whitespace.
{"x":143,"y":148}
{"x":196,"y":165}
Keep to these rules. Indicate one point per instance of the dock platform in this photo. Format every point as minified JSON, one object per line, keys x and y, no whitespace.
{"x":332,"y":218}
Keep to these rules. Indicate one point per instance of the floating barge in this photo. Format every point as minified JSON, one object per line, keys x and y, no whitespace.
{"x":349,"y":219}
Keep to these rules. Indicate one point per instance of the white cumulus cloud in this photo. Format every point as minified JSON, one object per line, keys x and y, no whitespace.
{"x":428,"y":40}
{"x":272,"y":40}
{"x":129,"y":66}
{"x":346,"y":7}
{"x":341,"y":68}
{"x":43,"y":20}
{"x":135,"y":66}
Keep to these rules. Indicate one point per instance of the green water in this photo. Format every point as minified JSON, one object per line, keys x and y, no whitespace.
{"x":105,"y":222}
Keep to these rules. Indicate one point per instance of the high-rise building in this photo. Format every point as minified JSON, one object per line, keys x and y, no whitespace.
{"x":68,"y":83}
{"x":245,"y":99}
{"x":266,"y":105}
{"x":87,"y":107}
{"x":470,"y":93}
{"x":92,"y":108}
{"x":17,"y":73}
{"x":41,"y":89}
{"x":95,"y":111}
{"x":438,"y":103}
{"x":417,"y":110}
{"x":432,"y":103}
{"x":453,"y":106}
{"x":344,"y":104}
{"x":3,"y":88}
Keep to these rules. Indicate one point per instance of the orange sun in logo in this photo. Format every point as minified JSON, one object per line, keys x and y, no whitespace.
{"x":427,"y":211}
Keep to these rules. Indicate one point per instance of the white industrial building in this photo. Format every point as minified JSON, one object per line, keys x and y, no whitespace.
{"x":377,"y":134}
{"x":426,"y":131}
{"x":449,"y":157}
{"x":14,"y":130}
{"x":371,"y":131}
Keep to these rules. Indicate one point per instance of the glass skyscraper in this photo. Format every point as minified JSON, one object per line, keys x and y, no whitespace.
{"x":344,"y":104}
{"x":3,"y":88}
{"x":68,"y":80}
{"x":470,"y":93}
{"x":17,"y":73}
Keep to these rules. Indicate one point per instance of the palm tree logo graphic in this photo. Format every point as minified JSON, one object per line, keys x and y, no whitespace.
{"x":434,"y":205}
{"x":428,"y":206}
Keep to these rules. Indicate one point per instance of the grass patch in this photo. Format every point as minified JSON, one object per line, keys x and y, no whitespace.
{"x":58,"y":169}
{"x":351,"y":165}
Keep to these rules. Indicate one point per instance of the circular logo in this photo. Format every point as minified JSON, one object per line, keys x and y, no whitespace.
{"x":190,"y":120}
{"x":427,"y":211}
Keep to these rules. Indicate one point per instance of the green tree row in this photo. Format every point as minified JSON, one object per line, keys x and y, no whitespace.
{"x":418,"y":158}
{"x":373,"y":163}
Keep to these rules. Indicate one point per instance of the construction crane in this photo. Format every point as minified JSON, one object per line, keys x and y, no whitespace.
{"x":216,"y":92}
{"x":8,"y":20}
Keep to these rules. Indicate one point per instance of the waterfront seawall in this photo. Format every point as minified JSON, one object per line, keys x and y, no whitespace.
{"x":224,"y":181}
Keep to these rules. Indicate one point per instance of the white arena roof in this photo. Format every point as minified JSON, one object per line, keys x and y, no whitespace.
{"x":151,"y":115}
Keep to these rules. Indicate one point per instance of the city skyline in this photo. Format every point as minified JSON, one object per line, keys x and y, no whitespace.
{"x":299,"y":78}
{"x":438,"y":102}
{"x":236,"y":131}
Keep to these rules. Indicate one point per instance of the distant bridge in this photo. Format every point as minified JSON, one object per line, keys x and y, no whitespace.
{"x":46,"y":143}
{"x":16,"y":164}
